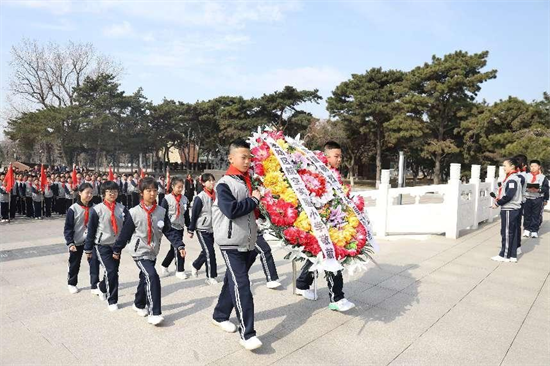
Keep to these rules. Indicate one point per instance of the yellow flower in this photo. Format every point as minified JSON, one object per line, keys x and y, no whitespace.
{"x":271,"y":164}
{"x":275,"y":183}
{"x":353,"y":221}
{"x":283,"y":144}
{"x":348,"y":233}
{"x":337,"y":237}
{"x":289,"y":196}
{"x":302,"y":222}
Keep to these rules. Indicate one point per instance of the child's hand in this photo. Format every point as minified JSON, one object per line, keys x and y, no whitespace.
{"x":190,"y":235}
{"x":182,"y":253}
{"x":72,"y":248}
{"x":256,"y":194}
{"x":116,"y":256}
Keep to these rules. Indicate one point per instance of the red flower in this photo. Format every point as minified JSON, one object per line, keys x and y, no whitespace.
{"x":260,"y":153}
{"x":360,"y":236}
{"x":259,"y":169}
{"x":315,"y":183}
{"x":321,"y":157}
{"x":282,"y":213}
{"x":359,"y":202}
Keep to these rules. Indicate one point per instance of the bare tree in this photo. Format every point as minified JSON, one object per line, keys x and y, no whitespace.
{"x":47,"y":74}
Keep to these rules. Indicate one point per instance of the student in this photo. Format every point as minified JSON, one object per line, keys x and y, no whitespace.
{"x":37,"y":198}
{"x":199,"y":184}
{"x":13,"y":200}
{"x":104,"y":227}
{"x":20,"y":195}
{"x":201,"y":223}
{"x":522,"y":174}
{"x":63,"y":196}
{"x":189,"y":194}
{"x":162,"y":189}
{"x":268,"y":264}
{"x":4,"y":200}
{"x":509,"y":200}
{"x":28,"y":197}
{"x":143,"y":230}
{"x":535,"y":200}
{"x":335,"y":282}
{"x":175,"y":204}
{"x":96,"y":198}
{"x":76,"y":225}
{"x":55,"y":190}
{"x":234,"y":216}
{"x":124,"y":190}
{"x":48,"y":198}
{"x":133,"y":189}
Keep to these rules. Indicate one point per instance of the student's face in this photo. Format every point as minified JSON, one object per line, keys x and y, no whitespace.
{"x":86,"y":195}
{"x":177,"y":188}
{"x":508,"y":168}
{"x":535,"y":168}
{"x":334,"y":157}
{"x":111,"y":195}
{"x":240,"y":159}
{"x":149,"y":195}
{"x":209,"y":184}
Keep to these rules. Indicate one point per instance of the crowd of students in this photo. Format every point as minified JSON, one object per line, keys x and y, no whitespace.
{"x":521,"y":196}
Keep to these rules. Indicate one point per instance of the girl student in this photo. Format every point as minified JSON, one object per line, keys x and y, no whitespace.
{"x":76,"y":224}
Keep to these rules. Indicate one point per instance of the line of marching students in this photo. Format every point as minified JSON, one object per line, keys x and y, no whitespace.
{"x":522,"y":196}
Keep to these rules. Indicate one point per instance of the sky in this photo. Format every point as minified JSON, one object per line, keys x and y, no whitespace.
{"x":198,"y":50}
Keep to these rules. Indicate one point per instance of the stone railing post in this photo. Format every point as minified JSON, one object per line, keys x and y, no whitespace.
{"x":452,"y":202}
{"x":382,"y":203}
{"x":491,"y":170}
{"x":475,"y":179}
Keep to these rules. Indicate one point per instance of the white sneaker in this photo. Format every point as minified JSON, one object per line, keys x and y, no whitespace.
{"x":182,"y":275}
{"x":342,"y":305}
{"x":155,"y":319}
{"x":113,"y":307}
{"x":307,"y":294}
{"x":526,"y":233}
{"x":251,"y":343}
{"x":534,"y":234}
{"x":140,"y":312}
{"x":513,"y":260}
{"x":226,"y":326}
{"x":273,"y":284}
{"x":96,"y":291}
{"x":164,"y":272}
{"x":195,"y":272}
{"x":519,"y":251}
{"x":72,"y":289}
{"x":498,"y":258}
{"x":102,"y":296}
{"x":211,"y":281}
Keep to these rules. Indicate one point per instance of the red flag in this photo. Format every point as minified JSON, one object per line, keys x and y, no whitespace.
{"x":74,"y":178}
{"x":9,"y":179}
{"x":111,"y":175}
{"x":43,"y":178}
{"x":168,"y":180}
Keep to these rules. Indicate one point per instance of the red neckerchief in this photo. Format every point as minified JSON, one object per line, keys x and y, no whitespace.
{"x":211,"y":194}
{"x":178,"y":199}
{"x":111,"y":207}
{"x":86,"y":214}
{"x":234,"y":171}
{"x":502,"y":185}
{"x":149,"y":220}
{"x":534,"y":179}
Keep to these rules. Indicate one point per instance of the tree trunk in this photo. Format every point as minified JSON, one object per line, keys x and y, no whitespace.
{"x":437,"y":169}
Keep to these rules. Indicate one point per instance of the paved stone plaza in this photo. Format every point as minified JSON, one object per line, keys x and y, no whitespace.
{"x":432,"y":301}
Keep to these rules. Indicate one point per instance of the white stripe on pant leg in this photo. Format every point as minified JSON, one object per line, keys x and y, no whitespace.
{"x":507,"y":241}
{"x":105,"y":273}
{"x":206,"y":252}
{"x":237,"y":295}
{"x":264,"y":262}
{"x":330,"y":287}
{"x":148,"y":282}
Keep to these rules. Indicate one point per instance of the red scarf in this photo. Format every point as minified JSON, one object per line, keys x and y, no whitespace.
{"x":211,"y":194}
{"x":111,"y":207}
{"x":502,"y":185}
{"x":534,"y":179}
{"x":86,"y":214}
{"x":149,"y":220}
{"x":178,"y":199}
{"x":234,"y":171}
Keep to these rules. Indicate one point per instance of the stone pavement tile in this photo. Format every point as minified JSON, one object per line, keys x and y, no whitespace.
{"x":21,"y":345}
{"x":424,"y":268}
{"x":398,"y":282}
{"x":381,"y":333}
{"x":452,"y":280}
{"x":375,"y":275}
{"x":373,"y":295}
{"x":462,"y":271}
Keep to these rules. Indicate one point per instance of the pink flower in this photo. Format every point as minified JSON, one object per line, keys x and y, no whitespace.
{"x":282,"y":213}
{"x":259,"y":169}
{"x":260,"y":153}
{"x":359,"y":202}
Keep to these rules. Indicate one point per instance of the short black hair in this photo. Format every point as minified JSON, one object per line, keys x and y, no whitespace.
{"x":108,"y":186}
{"x":83,"y":186}
{"x":206,"y":177}
{"x":147,"y":183}
{"x":238,"y":144}
{"x":331,"y":145}
{"x":513,"y":161}
{"x":521,"y":160}
{"x":535,"y":161}
{"x":176,"y":180}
